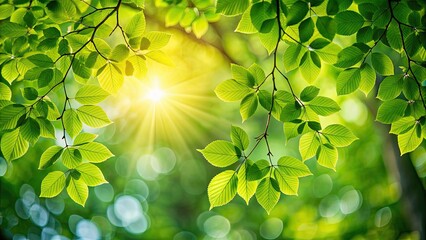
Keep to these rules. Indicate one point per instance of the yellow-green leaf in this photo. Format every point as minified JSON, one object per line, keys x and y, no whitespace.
{"x":93,"y":116}
{"x":52,"y":184}
{"x":288,"y":184}
{"x":78,"y":191}
{"x":221,"y":153}
{"x":50,"y":156}
{"x":268,"y":193}
{"x":13,"y":145}
{"x":91,"y":174}
{"x":95,"y":152}
{"x":246,"y":188}
{"x":291,"y":166}
{"x":222,"y":188}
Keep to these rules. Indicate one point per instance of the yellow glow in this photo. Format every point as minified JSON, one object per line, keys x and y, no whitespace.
{"x":155,"y":94}
{"x":173,"y":106}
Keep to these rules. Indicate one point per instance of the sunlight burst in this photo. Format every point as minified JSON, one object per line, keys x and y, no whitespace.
{"x":155,"y":94}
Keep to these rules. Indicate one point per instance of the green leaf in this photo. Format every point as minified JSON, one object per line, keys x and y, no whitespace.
{"x":268,"y":193}
{"x":348,"y":22}
{"x":393,"y":36}
{"x":308,"y":145}
{"x":119,"y":53}
{"x":13,"y":145}
{"x":136,"y":25}
{"x":288,"y":184}
{"x":292,"y":56}
{"x":160,"y":56}
{"x":71,"y":158}
{"x":6,"y":10}
{"x":402,"y":125}
{"x":390,"y":87}
{"x":9,"y":71}
{"x":269,"y":37}
{"x":239,"y":137}
{"x":91,"y":174}
{"x":222,"y":188}
{"x":290,"y":112}
{"x":200,"y":26}
{"x":258,"y":170}
{"x":221,"y":153}
{"x":368,"y":78}
{"x":391,"y":111}
{"x":265,"y":99}
{"x":231,"y":90}
{"x":84,"y":138}
{"x":78,"y":191}
{"x":310,"y":66}
{"x":155,"y":40}
{"x":338,"y":135}
{"x":41,"y":60}
{"x":319,"y":43}
{"x":231,"y":7}
{"x":348,"y":57}
{"x":248,"y":106}
{"x":51,"y":32}
{"x":72,"y":123}
{"x":30,"y":93}
{"x":306,"y":29}
{"x":246,"y":188}
{"x":242,"y":75}
{"x":309,"y":93}
{"x":139,"y":66}
{"x":410,"y":140}
{"x":327,"y":156}
{"x":93,"y":116}
{"x":291,"y":166}
{"x":297,"y":12}
{"x":382,"y":64}
{"x":110,"y":78}
{"x":10,"y":29}
{"x":323,"y":106}
{"x":174,"y":15}
{"x":326,"y":27}
{"x":365,"y":34}
{"x":30,"y":130}
{"x":348,"y":81}
{"x":95,"y":152}
{"x":46,"y":128}
{"x":91,"y":94}
{"x":5,"y":92}
{"x":52,"y":184}
{"x":49,"y":157}
{"x":245,"y":24}
{"x":290,"y":130}
{"x":9,"y":116}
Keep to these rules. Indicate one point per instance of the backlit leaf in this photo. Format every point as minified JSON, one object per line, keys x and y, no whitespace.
{"x":52,"y":184}
{"x":246,"y":188}
{"x":91,"y":174}
{"x":291,"y":166}
{"x":50,"y":156}
{"x":78,"y":191}
{"x":268,"y":193}
{"x":93,"y":116}
{"x":13,"y":145}
{"x":221,"y":153}
{"x":239,"y":137}
{"x":222,"y":188}
{"x":339,"y":135}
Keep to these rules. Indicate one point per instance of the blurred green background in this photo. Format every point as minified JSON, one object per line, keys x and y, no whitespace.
{"x":158,"y":181}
